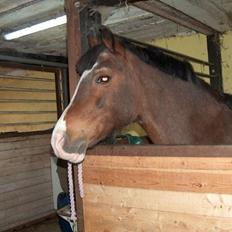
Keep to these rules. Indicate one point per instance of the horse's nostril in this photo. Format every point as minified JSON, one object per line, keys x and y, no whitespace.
{"x":77,"y":146}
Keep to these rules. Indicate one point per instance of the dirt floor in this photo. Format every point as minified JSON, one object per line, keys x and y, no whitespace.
{"x":49,"y":225}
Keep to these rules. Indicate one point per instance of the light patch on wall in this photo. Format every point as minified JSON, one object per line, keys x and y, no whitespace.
{"x":226,"y":51}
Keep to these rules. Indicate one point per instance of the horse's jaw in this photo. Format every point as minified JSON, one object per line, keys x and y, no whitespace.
{"x":75,"y":154}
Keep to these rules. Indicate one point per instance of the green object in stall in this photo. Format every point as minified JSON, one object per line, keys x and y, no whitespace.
{"x":133,"y":140}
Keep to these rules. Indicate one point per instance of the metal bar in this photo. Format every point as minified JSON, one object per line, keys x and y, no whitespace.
{"x":159,"y":8}
{"x":26,"y":123}
{"x":18,"y":77}
{"x":214,"y":56}
{"x":203,"y":75}
{"x":26,"y":101}
{"x":26,"y":89}
{"x":27,"y":112}
{"x":189,"y":58}
{"x":25,"y":60}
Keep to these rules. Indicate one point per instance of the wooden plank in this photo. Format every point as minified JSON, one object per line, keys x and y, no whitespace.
{"x":24,"y":183}
{"x":30,"y":190}
{"x":22,"y":152}
{"x":25,"y":137}
{"x":73,"y":42}
{"x":26,"y":143}
{"x":212,"y":13}
{"x":44,"y":217}
{"x":168,"y":151}
{"x":22,"y":223}
{"x":25,"y":209}
{"x":26,"y":167}
{"x":24,"y":176}
{"x":74,"y":53}
{"x":25,"y":212}
{"x":159,"y":162}
{"x":26,"y":198}
{"x":175,"y":15}
{"x":203,"y":204}
{"x":176,"y":180}
{"x":11,"y":163}
{"x":101,"y":217}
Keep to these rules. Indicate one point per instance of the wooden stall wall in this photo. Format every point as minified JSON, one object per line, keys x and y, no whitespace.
{"x":27,"y":103}
{"x":25,"y":180}
{"x":158,"y":188}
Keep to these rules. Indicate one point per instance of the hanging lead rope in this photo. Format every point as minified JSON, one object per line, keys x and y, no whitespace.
{"x":71,"y":193}
{"x":73,"y":216}
{"x":80,"y":180}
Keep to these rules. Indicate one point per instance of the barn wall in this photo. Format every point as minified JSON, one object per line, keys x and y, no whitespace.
{"x":25,"y":179}
{"x":28,"y":176}
{"x":196,"y":46}
{"x":166,"y":189}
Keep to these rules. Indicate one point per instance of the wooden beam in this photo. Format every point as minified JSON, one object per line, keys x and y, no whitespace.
{"x":79,"y":21}
{"x":74,"y":53}
{"x":175,"y":15}
{"x":211,"y":13}
{"x":214,"y":57}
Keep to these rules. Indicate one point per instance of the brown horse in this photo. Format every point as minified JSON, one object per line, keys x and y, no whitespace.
{"x":123,"y":82}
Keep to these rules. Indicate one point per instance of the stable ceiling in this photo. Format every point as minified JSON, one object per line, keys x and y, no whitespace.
{"x":125,"y":20}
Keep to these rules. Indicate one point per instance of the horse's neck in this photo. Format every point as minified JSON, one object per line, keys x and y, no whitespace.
{"x":179,"y":112}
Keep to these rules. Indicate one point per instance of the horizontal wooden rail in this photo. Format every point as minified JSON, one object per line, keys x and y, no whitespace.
{"x":163,"y":150}
{"x":205,"y":169}
{"x":26,"y":89}
{"x":18,"y":77}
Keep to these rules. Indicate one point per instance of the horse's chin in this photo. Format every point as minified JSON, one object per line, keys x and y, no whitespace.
{"x":75,"y":154}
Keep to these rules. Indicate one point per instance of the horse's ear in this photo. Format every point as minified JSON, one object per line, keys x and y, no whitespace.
{"x":93,"y":37}
{"x":112,"y":42}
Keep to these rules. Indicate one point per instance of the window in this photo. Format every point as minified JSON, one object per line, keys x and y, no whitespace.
{"x":28,"y":99}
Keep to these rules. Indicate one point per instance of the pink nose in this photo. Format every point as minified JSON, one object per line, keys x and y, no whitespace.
{"x":58,"y":141}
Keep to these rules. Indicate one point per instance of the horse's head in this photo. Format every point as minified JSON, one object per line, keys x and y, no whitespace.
{"x":103,"y":100}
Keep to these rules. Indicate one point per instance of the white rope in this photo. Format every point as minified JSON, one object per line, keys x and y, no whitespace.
{"x":73,"y":215}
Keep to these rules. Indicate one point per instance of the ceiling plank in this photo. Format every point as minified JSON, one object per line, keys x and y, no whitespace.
{"x":211,"y":13}
{"x":7,"y":6}
{"x":177,"y":16}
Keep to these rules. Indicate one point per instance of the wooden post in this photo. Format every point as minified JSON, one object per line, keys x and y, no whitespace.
{"x":78,"y":23}
{"x":214,"y":57}
{"x":74,"y":53}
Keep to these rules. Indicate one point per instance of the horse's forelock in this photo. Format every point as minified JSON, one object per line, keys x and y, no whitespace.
{"x":89,"y":59}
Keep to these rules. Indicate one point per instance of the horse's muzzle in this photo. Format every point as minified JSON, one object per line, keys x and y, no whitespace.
{"x":70,"y":151}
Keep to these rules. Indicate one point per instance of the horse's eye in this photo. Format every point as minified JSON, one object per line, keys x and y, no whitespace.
{"x":103,"y":79}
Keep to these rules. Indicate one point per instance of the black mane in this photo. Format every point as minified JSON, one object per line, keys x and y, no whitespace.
{"x":166,"y":63}
{"x":89,"y":59}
